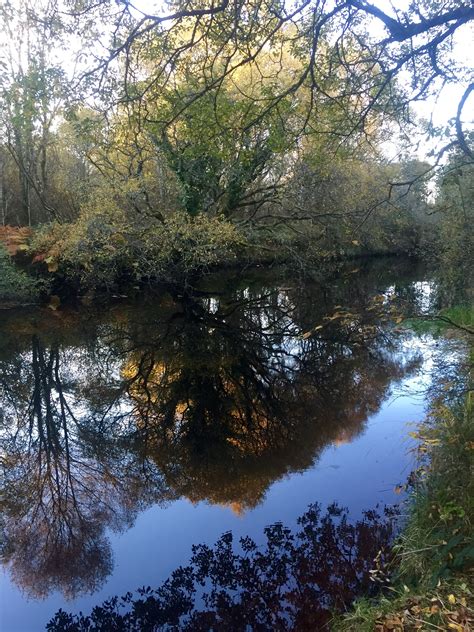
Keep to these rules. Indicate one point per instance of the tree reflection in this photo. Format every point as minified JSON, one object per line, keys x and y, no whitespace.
{"x":228,"y":402}
{"x":210,"y":398}
{"x":63,"y":484}
{"x":296,"y":581}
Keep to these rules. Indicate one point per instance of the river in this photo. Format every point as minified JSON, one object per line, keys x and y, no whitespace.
{"x":131,"y":430}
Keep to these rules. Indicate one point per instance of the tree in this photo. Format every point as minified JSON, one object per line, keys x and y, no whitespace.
{"x":332,"y":41}
{"x":452,"y":235}
{"x":33,"y":91}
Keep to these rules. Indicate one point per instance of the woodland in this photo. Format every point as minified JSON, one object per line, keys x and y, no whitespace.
{"x":139,"y":146}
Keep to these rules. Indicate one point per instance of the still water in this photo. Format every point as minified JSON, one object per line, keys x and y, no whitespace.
{"x":130,"y":432}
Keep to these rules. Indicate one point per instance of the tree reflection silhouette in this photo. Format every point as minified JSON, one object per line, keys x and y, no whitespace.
{"x":210,"y":398}
{"x":296,"y":581}
{"x":53,"y":504}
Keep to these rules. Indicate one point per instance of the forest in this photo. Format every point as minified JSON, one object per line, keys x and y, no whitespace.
{"x":236,"y":307}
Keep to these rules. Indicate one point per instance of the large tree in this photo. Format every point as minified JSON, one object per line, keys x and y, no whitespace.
{"x":351,"y":51}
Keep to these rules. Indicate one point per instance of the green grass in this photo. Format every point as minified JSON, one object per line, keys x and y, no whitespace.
{"x":459,"y":317}
{"x":446,"y":607}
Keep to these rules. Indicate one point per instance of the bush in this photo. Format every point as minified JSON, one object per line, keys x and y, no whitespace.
{"x":185,"y":245}
{"x":104,"y":247}
{"x":15,"y":285}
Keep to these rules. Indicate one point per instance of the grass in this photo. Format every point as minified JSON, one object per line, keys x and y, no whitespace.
{"x":459,"y":317}
{"x":443,"y":608}
{"x":432,"y":584}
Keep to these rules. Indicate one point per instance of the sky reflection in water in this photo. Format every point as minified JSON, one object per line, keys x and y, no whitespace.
{"x":131,"y":436}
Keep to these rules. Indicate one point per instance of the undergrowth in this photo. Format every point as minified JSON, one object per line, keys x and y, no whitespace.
{"x":104,"y":247}
{"x":15,"y":285}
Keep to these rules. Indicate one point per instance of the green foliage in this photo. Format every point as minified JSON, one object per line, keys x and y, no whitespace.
{"x":451,"y":245}
{"x":183,"y":245}
{"x":438,"y":538}
{"x":15,"y":285}
{"x":104,"y":247}
{"x":458,"y":317}
{"x":214,"y":119}
{"x":223,"y":146}
{"x":346,"y":202}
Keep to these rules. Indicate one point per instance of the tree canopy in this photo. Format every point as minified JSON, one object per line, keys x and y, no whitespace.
{"x":273,"y":116}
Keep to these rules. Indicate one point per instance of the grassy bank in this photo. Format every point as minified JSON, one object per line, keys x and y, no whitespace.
{"x":432,"y":584}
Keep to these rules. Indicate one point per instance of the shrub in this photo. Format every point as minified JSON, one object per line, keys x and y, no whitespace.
{"x":104,"y":246}
{"x":15,"y":285}
{"x":185,"y":245}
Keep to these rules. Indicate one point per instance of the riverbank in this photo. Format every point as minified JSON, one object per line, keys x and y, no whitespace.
{"x":432,"y":583}
{"x":100,"y":256}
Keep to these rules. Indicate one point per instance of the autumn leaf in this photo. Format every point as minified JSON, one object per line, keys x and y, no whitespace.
{"x":52,"y":264}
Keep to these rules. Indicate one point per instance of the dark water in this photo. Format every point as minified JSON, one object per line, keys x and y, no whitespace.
{"x":131,"y":432}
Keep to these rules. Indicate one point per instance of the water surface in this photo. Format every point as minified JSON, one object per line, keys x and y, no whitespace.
{"x":131,"y":432}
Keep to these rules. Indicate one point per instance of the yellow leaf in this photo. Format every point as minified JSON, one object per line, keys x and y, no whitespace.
{"x":393,"y":623}
{"x":51,"y":263}
{"x":451,"y":598}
